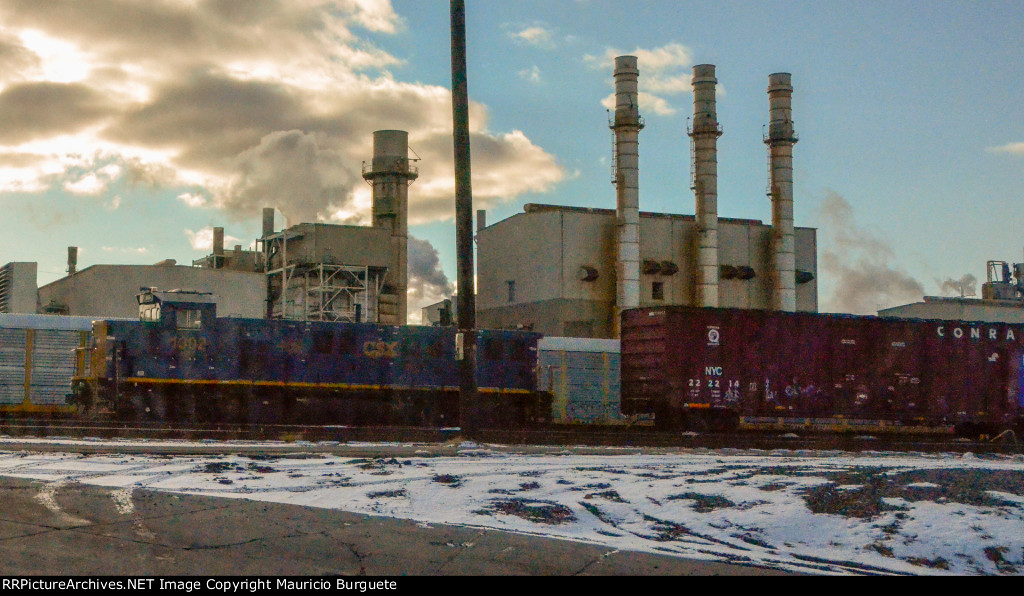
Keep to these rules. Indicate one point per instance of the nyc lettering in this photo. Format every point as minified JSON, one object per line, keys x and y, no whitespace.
{"x":974,"y":333}
{"x":709,"y":371}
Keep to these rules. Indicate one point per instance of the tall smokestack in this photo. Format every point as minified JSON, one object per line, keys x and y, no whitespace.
{"x":627,"y":125}
{"x":780,"y":140}
{"x":704,"y":135}
{"x":72,"y":260}
{"x":390,"y":175}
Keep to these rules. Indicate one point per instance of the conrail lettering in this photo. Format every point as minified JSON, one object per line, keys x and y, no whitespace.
{"x":380,"y":349}
{"x":974,"y":333}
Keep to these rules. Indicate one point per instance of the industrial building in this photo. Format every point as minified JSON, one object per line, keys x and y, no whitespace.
{"x":580,"y":267}
{"x":1002,"y":300}
{"x":308,"y":271}
{"x":18,"y":288}
{"x":110,"y":290}
{"x":562,"y":282}
{"x":327,"y":272}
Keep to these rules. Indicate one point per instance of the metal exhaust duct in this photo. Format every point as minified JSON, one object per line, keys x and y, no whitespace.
{"x":780,"y":140}
{"x":72,"y":260}
{"x":390,"y":175}
{"x":704,"y":135}
{"x":627,"y":124}
{"x":268,"y":221}
{"x":218,"y":248}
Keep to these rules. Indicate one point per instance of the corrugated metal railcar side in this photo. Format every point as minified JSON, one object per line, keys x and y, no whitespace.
{"x":37,"y":361}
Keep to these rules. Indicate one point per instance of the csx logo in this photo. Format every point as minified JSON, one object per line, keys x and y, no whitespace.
{"x":380,"y":349}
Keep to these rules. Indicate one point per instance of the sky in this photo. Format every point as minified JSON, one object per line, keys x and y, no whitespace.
{"x":131,"y":128}
{"x":827,"y":513}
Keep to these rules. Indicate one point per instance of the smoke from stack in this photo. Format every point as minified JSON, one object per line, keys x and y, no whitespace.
{"x":860,"y":264}
{"x":427,"y":280}
{"x":627,"y":125}
{"x":780,"y":140}
{"x":963,"y":287}
{"x":704,"y":135}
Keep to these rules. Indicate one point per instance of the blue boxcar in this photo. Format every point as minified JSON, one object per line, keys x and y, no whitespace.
{"x":181,"y":362}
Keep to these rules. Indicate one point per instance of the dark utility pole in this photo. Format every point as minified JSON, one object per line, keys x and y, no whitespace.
{"x":463,"y":225}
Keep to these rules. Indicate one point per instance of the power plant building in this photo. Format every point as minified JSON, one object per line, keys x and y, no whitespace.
{"x":562,"y":280}
{"x":571,"y":271}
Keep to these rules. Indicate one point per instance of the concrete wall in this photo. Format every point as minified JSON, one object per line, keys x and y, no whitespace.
{"x":543,"y":250}
{"x":110,"y":290}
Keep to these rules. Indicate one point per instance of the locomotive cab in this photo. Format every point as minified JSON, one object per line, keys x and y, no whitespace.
{"x":177,"y":309}
{"x":103,"y":366}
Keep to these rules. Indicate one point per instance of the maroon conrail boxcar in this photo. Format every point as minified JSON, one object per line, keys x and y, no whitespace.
{"x":713,"y":368}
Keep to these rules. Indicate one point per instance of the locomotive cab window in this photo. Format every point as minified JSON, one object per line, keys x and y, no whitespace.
{"x":190,"y":319}
{"x":149,"y":312}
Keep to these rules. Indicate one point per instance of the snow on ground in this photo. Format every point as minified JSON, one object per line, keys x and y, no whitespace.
{"x":819,"y":512}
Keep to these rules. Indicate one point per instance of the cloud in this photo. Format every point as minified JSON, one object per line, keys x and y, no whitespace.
{"x":860,"y":265}
{"x":192,"y":199}
{"x":539,"y":36}
{"x":530,"y":74}
{"x":203,"y":239}
{"x":15,"y":59}
{"x":139,"y":250}
{"x":246,"y":104}
{"x":648,"y":103}
{"x":663,"y":71}
{"x":40,"y":109}
{"x":1011,"y":148}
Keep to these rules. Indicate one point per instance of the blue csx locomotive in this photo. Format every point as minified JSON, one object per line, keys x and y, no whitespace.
{"x":180,"y":363}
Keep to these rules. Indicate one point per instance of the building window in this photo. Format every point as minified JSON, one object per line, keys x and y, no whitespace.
{"x":511,"y":291}
{"x":658,"y":290}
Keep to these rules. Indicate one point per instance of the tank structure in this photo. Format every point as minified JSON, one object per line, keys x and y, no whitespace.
{"x":704,"y":134}
{"x":390,"y":174}
{"x":780,"y":138}
{"x":627,"y":125}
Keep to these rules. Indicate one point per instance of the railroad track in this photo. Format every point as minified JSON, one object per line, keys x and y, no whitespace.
{"x":553,"y":436}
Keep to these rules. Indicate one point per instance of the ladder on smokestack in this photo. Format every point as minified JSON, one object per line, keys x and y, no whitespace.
{"x":615,"y":150}
{"x":693,"y":155}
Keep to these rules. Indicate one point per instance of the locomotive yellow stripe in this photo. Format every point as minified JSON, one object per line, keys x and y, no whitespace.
{"x":296,"y":384}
